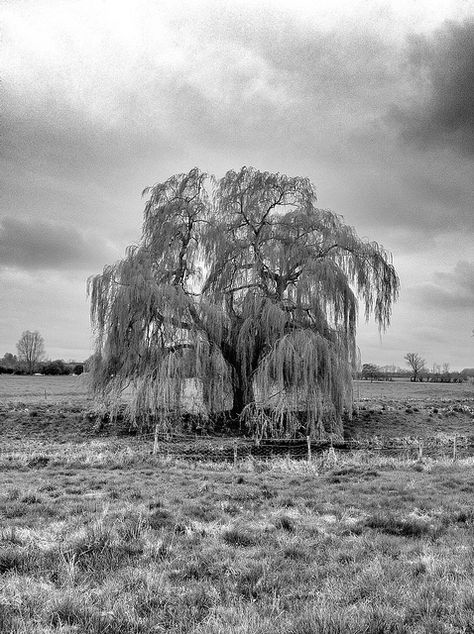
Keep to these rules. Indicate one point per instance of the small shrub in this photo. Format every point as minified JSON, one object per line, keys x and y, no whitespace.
{"x":9,"y":622}
{"x":296,"y":552}
{"x":286,"y":501}
{"x":159,"y":550}
{"x":196,"y":604}
{"x":31,"y":498}
{"x":267,"y":493}
{"x":410,"y":527}
{"x":161,"y":518}
{"x":354,"y":471}
{"x":37,"y":462}
{"x":15,"y":509}
{"x":464,"y":517}
{"x":68,"y":610}
{"x":284,"y":522}
{"x":71,"y":610}
{"x":257,"y":582}
{"x":199,"y":568}
{"x":97,"y":552}
{"x":239,"y":537}
{"x":11,"y":559}
{"x":203,"y":512}
{"x":13,"y":494}
{"x":10,"y":536}
{"x":132,"y":526}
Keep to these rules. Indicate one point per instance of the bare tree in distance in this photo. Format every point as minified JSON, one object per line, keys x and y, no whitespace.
{"x":30,"y":348}
{"x":245,"y":284}
{"x":417,"y":364}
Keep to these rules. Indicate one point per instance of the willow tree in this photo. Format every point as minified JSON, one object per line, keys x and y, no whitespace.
{"x":245,"y":285}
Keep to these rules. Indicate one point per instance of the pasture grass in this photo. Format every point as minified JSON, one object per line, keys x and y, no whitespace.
{"x":97,"y":535}
{"x":95,"y":542}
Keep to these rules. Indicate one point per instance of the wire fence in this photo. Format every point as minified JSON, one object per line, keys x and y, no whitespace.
{"x":226,"y":448}
{"x":233,"y":449}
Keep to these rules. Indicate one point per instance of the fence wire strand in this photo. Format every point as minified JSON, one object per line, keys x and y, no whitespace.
{"x":235,"y":448}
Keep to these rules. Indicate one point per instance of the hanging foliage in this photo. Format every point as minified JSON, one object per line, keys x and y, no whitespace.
{"x":246,"y":290}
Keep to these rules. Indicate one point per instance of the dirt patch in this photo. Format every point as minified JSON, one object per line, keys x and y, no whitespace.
{"x":402,"y":408}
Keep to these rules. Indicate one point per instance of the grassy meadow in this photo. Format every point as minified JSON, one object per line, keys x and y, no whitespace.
{"x":97,"y":535}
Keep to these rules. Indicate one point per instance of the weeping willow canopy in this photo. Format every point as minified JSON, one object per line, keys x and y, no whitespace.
{"x":243,"y":288}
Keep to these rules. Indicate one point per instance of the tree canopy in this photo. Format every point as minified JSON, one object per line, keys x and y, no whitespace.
{"x":244,"y":284}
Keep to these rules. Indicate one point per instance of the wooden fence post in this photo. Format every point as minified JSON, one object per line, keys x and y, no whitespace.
{"x":420,"y":451}
{"x":308,"y":444}
{"x":235,"y":454}
{"x":155,"y":441}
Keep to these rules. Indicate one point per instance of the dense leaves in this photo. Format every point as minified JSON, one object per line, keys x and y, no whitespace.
{"x":245,"y":285}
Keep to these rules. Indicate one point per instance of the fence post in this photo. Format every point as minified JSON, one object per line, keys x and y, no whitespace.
{"x":455,"y":449}
{"x":155,"y":441}
{"x":420,"y":451}
{"x":235,"y":453}
{"x":308,"y":444}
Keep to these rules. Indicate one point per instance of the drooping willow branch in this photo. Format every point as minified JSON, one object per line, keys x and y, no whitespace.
{"x":243,"y":285}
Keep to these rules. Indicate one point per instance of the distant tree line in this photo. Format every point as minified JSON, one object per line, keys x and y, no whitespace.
{"x":418,"y":372}
{"x":30,"y":359}
{"x":9,"y":364}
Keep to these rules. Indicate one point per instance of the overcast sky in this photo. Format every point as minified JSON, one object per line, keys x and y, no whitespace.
{"x":372,"y":100}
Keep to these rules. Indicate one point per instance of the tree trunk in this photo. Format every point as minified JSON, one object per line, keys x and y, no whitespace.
{"x":242,"y":396}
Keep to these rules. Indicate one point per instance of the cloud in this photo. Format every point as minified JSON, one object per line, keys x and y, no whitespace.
{"x":102,"y":99}
{"x":442,"y":72}
{"x":451,"y":291}
{"x":29,"y":244}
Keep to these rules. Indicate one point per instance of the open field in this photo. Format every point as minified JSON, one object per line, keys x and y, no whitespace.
{"x":97,"y":535}
{"x":123,"y":543}
{"x":403,"y":390}
{"x":37,"y":389}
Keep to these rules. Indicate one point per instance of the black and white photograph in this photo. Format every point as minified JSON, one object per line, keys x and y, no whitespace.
{"x":237,"y":317}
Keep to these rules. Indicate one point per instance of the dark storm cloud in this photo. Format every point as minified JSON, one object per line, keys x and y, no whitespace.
{"x":322,"y":113}
{"x":30,"y":244}
{"x":442,"y":67}
{"x":451,"y":291}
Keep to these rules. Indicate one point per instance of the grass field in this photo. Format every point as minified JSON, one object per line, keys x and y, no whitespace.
{"x":62,"y":388}
{"x":34,"y":389}
{"x":131,"y":545}
{"x":99,"y":536}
